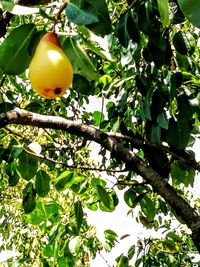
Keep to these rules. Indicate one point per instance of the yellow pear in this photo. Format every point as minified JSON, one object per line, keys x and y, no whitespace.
{"x":50,"y":71}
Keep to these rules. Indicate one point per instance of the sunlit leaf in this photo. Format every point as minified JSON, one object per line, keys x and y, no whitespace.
{"x":15,"y":51}
{"x":80,"y":61}
{"x":122,"y":261}
{"x":76,"y":216}
{"x":105,"y":198}
{"x":163,"y":7}
{"x":64,"y":181}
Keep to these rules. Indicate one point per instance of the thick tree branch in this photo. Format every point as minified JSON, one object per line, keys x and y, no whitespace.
{"x":159,"y":185}
{"x":140,"y":143}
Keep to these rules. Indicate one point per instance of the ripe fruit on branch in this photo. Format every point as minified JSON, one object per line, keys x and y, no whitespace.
{"x":50,"y":71}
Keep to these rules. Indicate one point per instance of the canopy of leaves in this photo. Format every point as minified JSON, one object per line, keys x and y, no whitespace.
{"x":136,"y":81}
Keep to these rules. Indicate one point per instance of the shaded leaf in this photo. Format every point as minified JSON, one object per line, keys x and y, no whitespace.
{"x":122,"y":31}
{"x":100,"y":7}
{"x":82,"y":85}
{"x":27,"y":165}
{"x":94,"y":15}
{"x":42,"y":185}
{"x":6,"y":106}
{"x":132,"y":27}
{"x":191,"y":10}
{"x":182,"y":174}
{"x":178,"y":133}
{"x":29,"y":195}
{"x":79,"y":15}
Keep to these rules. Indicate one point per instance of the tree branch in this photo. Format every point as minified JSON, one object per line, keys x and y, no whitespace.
{"x":75,"y":167}
{"x":159,"y":185}
{"x":140,"y":143}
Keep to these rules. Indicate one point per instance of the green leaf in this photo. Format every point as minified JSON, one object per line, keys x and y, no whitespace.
{"x":110,"y":234}
{"x":179,"y":43}
{"x":162,"y":120}
{"x":15,"y":53}
{"x":38,"y":215}
{"x":182,"y":174}
{"x":132,"y":27}
{"x":80,"y":61}
{"x":146,"y":107}
{"x":94,"y":15}
{"x":19,"y":262}
{"x":98,"y":117}
{"x":148,"y":207}
{"x":174,"y":237}
{"x":100,"y":7}
{"x":27,"y":165}
{"x":105,"y":199}
{"x":122,"y":261}
{"x":6,"y":106}
{"x":13,"y":175}
{"x":178,"y":133}
{"x":130,"y":197}
{"x":42,"y":181}
{"x":82,"y":85}
{"x":155,"y":134}
{"x":163,"y":7}
{"x":184,"y":42}
{"x":64,"y":181}
{"x":122,"y":31}
{"x":131,"y":252}
{"x":79,"y":15}
{"x":191,"y":10}
{"x":76,"y":216}
{"x":34,"y":107}
{"x":29,"y":195}
{"x":48,"y":250}
{"x":98,"y":181}
{"x":111,"y":239}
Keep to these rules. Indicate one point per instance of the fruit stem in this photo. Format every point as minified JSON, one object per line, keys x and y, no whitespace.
{"x":58,"y":14}
{"x":61,"y":9}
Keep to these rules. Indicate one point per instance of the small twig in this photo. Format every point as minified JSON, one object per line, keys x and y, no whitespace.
{"x":58,"y":14}
{"x":104,"y":259}
{"x":72,"y":166}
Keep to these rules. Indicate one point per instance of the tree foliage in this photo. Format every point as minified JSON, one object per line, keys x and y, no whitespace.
{"x":140,"y":60}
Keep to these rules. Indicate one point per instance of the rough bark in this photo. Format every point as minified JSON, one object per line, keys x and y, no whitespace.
{"x":112,"y":144}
